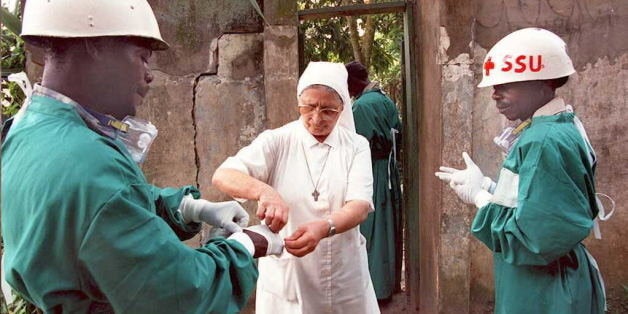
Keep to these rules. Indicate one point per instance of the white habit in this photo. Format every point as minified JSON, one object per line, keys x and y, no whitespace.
{"x":334,"y":278}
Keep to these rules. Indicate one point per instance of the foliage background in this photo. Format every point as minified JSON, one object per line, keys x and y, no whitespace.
{"x":13,"y":61}
{"x":330,"y":40}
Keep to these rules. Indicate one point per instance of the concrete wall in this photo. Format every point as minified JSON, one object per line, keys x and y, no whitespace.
{"x":208,"y":94}
{"x":462,"y":33}
{"x":226,"y":78}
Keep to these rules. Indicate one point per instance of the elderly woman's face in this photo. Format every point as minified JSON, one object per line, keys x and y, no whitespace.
{"x":320,"y":108}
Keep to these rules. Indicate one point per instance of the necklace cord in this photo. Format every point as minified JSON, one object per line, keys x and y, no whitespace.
{"x":309,"y":172}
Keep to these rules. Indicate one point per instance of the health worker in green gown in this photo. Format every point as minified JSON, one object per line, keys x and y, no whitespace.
{"x":543,"y":205}
{"x":83,"y":230}
{"x":376,"y":118}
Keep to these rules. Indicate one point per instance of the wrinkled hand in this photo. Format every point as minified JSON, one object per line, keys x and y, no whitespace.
{"x":227,"y":215}
{"x":305,"y":239}
{"x":468,"y":184}
{"x":272,"y":209}
{"x":265,"y":241}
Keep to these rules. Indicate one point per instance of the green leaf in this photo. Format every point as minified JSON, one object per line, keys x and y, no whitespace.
{"x":11,"y":21}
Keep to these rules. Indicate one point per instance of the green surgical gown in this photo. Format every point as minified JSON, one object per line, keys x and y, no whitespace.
{"x":375,"y":114}
{"x":84,"y":232}
{"x":542,"y":209}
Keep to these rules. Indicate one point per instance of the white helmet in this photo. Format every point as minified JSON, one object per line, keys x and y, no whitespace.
{"x":91,"y":18}
{"x":528,"y":54}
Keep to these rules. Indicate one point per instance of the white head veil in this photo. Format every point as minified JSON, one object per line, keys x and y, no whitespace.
{"x":333,"y":75}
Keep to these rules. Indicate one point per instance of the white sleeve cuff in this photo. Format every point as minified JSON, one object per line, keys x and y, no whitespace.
{"x":245,"y":240}
{"x":482,"y":198}
{"x":488,"y":184}
{"x":189,"y":209}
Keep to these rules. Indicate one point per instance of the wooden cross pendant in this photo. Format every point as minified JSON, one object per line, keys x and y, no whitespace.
{"x":315,"y":194}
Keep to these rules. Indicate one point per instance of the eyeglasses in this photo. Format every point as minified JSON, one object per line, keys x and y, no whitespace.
{"x":326,"y":113}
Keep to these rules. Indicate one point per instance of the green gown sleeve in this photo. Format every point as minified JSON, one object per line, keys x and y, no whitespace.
{"x":364,"y":122}
{"x":167,"y":202}
{"x":553,"y":212}
{"x":374,"y":115}
{"x":142,"y":267}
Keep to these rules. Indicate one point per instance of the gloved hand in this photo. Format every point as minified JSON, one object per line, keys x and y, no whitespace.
{"x":265,"y":240}
{"x":227,"y":215}
{"x":449,"y":175}
{"x":216,"y":232}
{"x":467,"y":185}
{"x":259,"y":240}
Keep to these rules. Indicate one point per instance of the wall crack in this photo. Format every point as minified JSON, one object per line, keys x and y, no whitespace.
{"x":197,"y":159}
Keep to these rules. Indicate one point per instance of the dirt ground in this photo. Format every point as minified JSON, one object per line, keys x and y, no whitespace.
{"x":398,"y":304}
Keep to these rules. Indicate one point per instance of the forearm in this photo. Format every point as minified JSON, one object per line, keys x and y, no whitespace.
{"x":164,"y":275}
{"x":238,"y":184}
{"x":167,"y":201}
{"x":352,"y":214}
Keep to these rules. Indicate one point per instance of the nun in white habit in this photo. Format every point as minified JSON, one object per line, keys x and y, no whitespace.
{"x":313,"y":182}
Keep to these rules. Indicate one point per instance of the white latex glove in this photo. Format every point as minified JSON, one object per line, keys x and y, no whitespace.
{"x":227,"y":215}
{"x":259,"y":240}
{"x":468,"y":185}
{"x":457,"y":176}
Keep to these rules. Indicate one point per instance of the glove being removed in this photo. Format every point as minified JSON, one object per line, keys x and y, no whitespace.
{"x":259,"y":240}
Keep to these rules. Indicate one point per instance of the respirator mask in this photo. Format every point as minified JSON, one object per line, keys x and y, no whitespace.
{"x":509,"y":136}
{"x":137,"y":135}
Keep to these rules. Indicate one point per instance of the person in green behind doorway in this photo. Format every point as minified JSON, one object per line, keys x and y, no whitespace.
{"x":83,"y":230}
{"x":543,"y":206}
{"x":376,"y":118}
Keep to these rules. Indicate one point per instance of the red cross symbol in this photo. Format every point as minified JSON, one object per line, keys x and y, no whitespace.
{"x":488,"y":66}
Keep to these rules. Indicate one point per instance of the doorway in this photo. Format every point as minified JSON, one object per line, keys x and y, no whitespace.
{"x":327,"y":19}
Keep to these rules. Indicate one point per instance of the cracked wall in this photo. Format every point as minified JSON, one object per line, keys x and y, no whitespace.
{"x":225,"y":79}
{"x":229,"y":105}
{"x":179,"y":101}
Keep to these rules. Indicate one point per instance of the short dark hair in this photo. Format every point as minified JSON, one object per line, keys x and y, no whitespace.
{"x":357,"y":71}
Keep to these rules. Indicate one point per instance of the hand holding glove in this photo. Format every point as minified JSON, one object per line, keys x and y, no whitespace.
{"x":259,"y":240}
{"x":470,"y":184}
{"x":227,"y":215}
{"x":272,"y":209}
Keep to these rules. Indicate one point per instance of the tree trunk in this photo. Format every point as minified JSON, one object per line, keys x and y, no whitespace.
{"x":367,"y":40}
{"x":361,"y":46}
{"x":354,"y":35}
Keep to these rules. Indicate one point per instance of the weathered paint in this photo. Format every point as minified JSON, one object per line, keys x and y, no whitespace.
{"x":281,"y":64}
{"x":191,"y":25}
